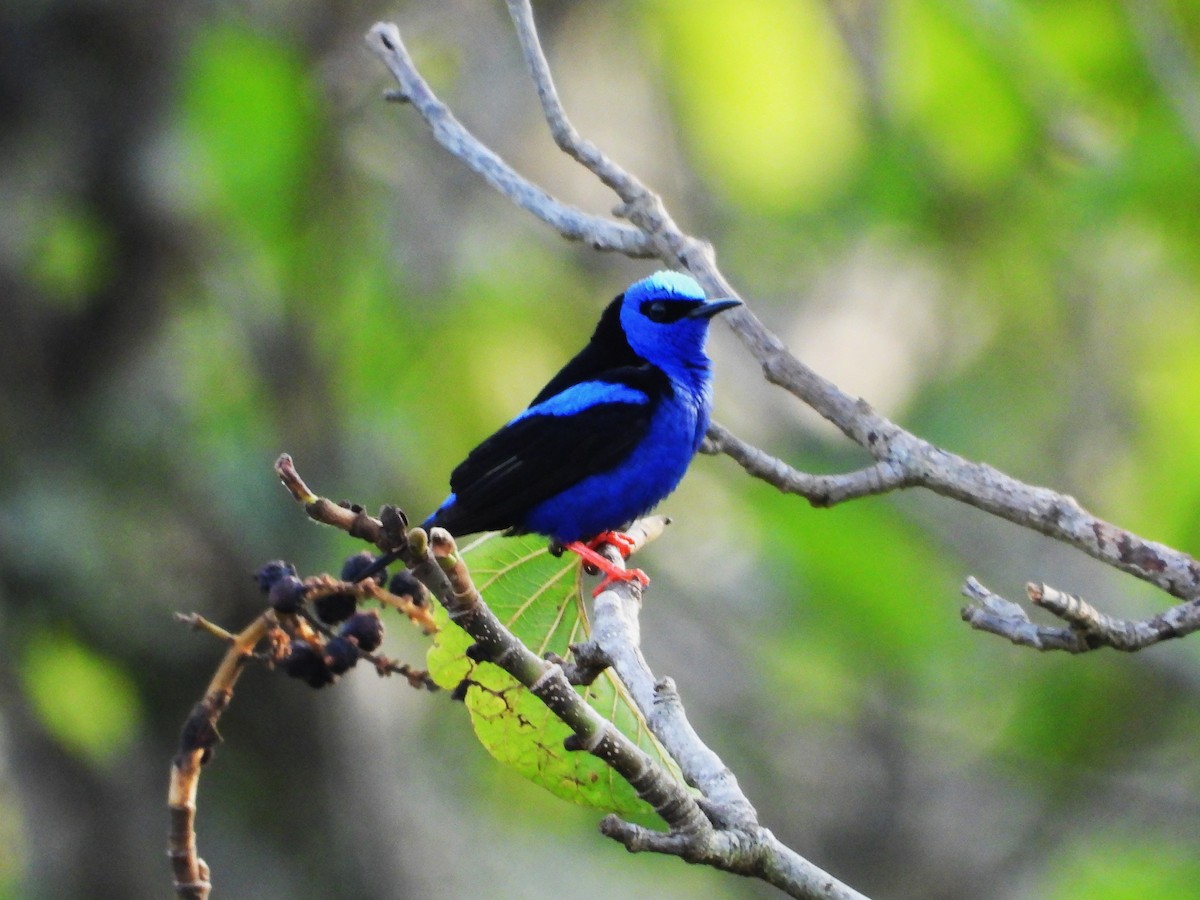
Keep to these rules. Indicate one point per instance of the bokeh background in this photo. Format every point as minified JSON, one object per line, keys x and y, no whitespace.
{"x":218,"y":243}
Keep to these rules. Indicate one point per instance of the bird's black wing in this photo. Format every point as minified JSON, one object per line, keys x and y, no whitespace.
{"x":539,"y":455}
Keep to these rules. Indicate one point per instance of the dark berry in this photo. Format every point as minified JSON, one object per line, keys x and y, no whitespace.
{"x":405,"y":584}
{"x":340,"y":655}
{"x":335,"y":608}
{"x":365,"y":629}
{"x":355,"y":565}
{"x":271,"y":572}
{"x":286,"y":594}
{"x":306,"y":662}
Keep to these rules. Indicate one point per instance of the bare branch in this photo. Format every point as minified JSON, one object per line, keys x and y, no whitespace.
{"x":196,"y":742}
{"x":738,"y":843}
{"x":617,"y":633}
{"x":1055,"y":515}
{"x":757,"y":854}
{"x":434,"y":559}
{"x":571,"y":223}
{"x":640,"y":205}
{"x":565,"y":136}
{"x":819,"y":490}
{"x":1087,"y":628}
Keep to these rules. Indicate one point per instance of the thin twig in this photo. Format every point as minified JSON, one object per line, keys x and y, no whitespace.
{"x":324,"y":585}
{"x":571,"y":223}
{"x":902,"y":459}
{"x":1087,"y":628}
{"x":435,"y":560}
{"x":819,"y":490}
{"x":994,"y":614}
{"x":640,"y":205}
{"x":737,"y":843}
{"x":196,"y":742}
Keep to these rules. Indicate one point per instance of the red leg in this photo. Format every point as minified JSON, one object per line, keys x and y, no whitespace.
{"x":611,"y":573}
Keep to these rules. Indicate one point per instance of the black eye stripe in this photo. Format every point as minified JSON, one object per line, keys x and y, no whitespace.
{"x":664,"y":311}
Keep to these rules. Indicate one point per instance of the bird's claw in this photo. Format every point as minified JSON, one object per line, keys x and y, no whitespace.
{"x":623,"y":543}
{"x":593,"y":562}
{"x":616,"y":575}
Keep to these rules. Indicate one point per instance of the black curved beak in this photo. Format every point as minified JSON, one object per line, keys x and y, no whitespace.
{"x":708,"y":310}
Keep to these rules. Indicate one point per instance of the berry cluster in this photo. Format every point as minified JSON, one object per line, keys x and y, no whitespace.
{"x":319,"y":664}
{"x":309,"y":656}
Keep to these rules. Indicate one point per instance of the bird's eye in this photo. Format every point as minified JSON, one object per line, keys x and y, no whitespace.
{"x":666,"y":311}
{"x":656,"y":311}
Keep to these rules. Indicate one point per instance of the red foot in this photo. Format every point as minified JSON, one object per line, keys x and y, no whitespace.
{"x":612,"y":574}
{"x":619,"y":539}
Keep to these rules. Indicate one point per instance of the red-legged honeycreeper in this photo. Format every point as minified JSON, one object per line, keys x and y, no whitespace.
{"x":610,"y":435}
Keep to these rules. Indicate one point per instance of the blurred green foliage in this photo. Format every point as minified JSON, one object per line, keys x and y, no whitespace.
{"x":71,"y":258}
{"x":218,"y":244}
{"x":1124,"y":865}
{"x":87,"y":702}
{"x":774,"y":73}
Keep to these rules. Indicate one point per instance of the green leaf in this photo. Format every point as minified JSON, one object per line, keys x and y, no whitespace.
{"x":538,"y":597}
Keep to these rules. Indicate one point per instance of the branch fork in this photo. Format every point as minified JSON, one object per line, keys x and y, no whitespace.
{"x":720,"y":828}
{"x":901,"y":459}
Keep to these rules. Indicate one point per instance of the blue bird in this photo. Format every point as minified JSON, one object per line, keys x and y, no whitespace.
{"x":607,"y":438}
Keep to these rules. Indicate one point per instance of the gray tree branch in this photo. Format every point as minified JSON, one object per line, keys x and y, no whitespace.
{"x":730,"y":837}
{"x":737,"y":842}
{"x":698,"y":829}
{"x":571,"y":223}
{"x":1087,"y":628}
{"x":616,"y":632}
{"x":819,"y":490}
{"x":902,"y":459}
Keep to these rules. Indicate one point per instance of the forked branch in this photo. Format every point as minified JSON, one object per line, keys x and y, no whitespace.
{"x":196,"y":742}
{"x":900,"y":458}
{"x":719,"y":828}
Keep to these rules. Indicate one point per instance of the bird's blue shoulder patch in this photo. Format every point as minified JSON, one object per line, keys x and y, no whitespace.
{"x":585,"y":395}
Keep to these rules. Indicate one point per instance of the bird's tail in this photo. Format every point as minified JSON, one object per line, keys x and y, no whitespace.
{"x":439,"y":517}
{"x":381,"y":562}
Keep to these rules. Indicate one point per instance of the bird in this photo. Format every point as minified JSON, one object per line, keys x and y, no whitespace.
{"x":607,"y":438}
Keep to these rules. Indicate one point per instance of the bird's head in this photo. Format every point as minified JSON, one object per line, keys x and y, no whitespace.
{"x":665,"y":318}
